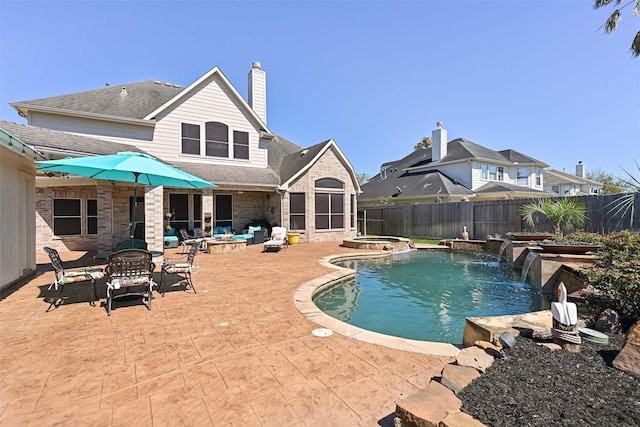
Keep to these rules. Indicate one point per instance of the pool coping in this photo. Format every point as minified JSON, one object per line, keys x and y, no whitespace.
{"x":303,"y":301}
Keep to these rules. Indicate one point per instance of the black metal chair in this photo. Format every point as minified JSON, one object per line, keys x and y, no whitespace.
{"x":127,"y":269}
{"x":184,"y":269}
{"x":63,"y":276}
{"x":188,"y":240}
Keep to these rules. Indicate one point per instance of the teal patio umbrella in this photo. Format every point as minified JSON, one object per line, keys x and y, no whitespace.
{"x":126,"y":166}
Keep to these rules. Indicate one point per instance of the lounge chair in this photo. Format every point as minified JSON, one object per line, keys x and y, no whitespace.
{"x":130,"y":269}
{"x":188,"y":240}
{"x":64,"y":276}
{"x":183,"y":268}
{"x":278,"y":240}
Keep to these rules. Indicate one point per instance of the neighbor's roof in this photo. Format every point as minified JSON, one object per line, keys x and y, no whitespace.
{"x":502,"y":187}
{"x":461,"y":149}
{"x":141,"y":99}
{"x":554,"y":177}
{"x":425,"y":184}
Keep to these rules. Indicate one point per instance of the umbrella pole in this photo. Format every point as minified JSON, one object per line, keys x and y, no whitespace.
{"x":132,"y":224}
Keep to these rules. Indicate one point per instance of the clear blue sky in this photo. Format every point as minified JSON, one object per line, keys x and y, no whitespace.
{"x":534,"y":76}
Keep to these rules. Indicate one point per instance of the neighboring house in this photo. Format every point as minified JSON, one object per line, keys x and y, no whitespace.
{"x":565,"y":184}
{"x":206,"y":129}
{"x":458,"y":170}
{"x":17,"y":210}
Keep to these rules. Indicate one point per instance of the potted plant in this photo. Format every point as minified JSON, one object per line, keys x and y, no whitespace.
{"x":293,"y":237}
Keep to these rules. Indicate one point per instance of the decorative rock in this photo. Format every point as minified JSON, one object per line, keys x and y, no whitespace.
{"x":474,"y":357}
{"x":628,"y":359}
{"x":608,"y":322}
{"x":427,"y":407}
{"x":457,"y":377}
{"x":543,"y":335}
{"x":460,"y":419}
{"x":550,"y":346}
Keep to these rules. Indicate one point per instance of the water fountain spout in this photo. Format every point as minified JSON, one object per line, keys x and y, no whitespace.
{"x":504,"y":246}
{"x":526,"y":265}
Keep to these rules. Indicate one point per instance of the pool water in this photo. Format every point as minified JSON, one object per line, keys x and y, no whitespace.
{"x":426,"y":295}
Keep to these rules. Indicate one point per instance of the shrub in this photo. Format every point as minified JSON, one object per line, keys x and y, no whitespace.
{"x":583,"y":236}
{"x":615,"y":278}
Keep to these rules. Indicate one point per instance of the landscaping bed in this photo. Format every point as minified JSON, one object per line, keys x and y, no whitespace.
{"x":533,"y":386}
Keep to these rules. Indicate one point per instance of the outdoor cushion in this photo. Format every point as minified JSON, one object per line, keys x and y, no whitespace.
{"x":80,"y":276}
{"x":118,"y":282}
{"x":183,"y":267}
{"x":253,"y":229}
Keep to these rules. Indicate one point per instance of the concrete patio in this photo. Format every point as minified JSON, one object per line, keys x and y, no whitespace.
{"x":237,"y":353}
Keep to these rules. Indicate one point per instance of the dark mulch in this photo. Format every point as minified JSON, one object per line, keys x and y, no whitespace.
{"x":533,"y":386}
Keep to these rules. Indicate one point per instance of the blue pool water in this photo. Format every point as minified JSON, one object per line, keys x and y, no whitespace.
{"x":426,"y":295}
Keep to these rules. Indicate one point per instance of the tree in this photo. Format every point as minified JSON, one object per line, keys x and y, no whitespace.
{"x":566,"y":212}
{"x":425,"y":142}
{"x":362,"y":178}
{"x":610,"y":183}
{"x":613,"y":20}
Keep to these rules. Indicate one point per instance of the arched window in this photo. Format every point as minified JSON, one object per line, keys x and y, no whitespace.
{"x":216,"y":139}
{"x":329,"y":204}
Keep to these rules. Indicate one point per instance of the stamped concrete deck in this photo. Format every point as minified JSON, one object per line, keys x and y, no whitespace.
{"x":237,"y":353}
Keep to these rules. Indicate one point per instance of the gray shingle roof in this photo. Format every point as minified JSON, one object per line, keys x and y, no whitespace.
{"x":42,"y":139}
{"x":396,"y":183}
{"x":463,"y":149}
{"x":500,"y":187}
{"x":554,"y":177}
{"x":131,"y":100}
{"x":299,"y":159}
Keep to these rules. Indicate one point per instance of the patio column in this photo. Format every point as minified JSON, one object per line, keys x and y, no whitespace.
{"x":207,"y":208}
{"x":154,"y":218}
{"x":105,"y":216}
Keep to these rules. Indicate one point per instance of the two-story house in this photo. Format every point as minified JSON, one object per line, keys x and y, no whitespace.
{"x":457,"y":170}
{"x":565,"y":184}
{"x":206,"y":129}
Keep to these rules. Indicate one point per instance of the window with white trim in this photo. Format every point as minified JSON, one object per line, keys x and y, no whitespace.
{"x":492,"y":172}
{"x":240,"y":145}
{"x":538,"y":177}
{"x":190,"y":139}
{"x":67,"y":217}
{"x":523,"y":176}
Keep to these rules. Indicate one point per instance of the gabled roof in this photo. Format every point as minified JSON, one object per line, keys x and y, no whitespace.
{"x":296,"y":164}
{"x":554,"y":177}
{"x":194,"y":87}
{"x":461,"y":149}
{"x":124,"y":101}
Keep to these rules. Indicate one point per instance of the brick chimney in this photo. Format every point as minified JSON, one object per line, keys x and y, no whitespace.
{"x":438,"y":143}
{"x":258,"y":91}
{"x":580,"y":170}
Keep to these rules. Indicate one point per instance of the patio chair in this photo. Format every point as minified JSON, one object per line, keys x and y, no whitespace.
{"x":183,"y":268}
{"x":63,"y":276}
{"x":130,"y":269}
{"x":278,"y":240}
{"x":188,"y":240}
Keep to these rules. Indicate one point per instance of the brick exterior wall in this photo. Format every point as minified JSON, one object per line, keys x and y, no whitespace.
{"x":328,"y":166}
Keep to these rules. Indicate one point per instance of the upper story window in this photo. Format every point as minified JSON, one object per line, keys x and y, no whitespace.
{"x":190,"y":139}
{"x":538,"y":177}
{"x":240,"y":145}
{"x":492,"y":172}
{"x":523,"y":176}
{"x":555,"y":189}
{"x":216,"y":139}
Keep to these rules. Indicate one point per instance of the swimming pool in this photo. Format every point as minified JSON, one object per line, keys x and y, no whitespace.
{"x":426,"y":295}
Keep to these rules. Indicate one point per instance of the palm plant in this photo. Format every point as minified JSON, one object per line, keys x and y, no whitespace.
{"x":566,"y":212}
{"x":625,"y":204}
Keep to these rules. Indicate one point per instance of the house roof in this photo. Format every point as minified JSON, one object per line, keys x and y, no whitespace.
{"x":141,"y":98}
{"x":51,"y":141}
{"x":554,"y":177}
{"x":501,"y":187}
{"x":424,"y":184}
{"x":461,"y":149}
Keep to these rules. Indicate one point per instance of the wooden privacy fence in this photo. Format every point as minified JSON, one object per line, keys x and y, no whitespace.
{"x":491,"y":217}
